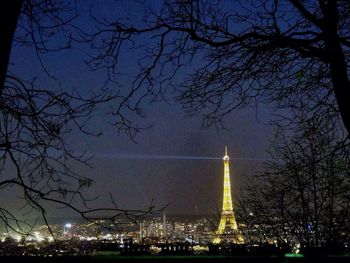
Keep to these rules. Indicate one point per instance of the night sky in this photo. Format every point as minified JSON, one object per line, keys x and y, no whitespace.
{"x":135,"y":181}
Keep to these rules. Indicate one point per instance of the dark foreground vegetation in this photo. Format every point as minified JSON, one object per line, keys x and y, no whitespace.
{"x":96,"y":251}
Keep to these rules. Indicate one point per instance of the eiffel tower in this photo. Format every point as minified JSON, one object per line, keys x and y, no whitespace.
{"x":227,"y":230}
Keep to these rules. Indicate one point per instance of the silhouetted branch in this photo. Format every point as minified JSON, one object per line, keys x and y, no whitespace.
{"x":270,"y":51}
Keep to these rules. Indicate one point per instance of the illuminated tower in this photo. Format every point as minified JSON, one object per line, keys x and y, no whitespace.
{"x":227,"y":229}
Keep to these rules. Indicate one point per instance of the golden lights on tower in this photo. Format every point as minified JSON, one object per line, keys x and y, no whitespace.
{"x":227,"y":229}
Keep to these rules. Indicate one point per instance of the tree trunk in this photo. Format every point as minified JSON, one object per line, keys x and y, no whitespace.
{"x":341,"y":85}
{"x":337,"y":63}
{"x":9,"y":13}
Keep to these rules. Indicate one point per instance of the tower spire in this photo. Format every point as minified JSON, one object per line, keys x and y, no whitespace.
{"x":227,"y":226}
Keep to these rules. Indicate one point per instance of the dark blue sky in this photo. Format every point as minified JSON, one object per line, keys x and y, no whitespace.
{"x":134,"y":182}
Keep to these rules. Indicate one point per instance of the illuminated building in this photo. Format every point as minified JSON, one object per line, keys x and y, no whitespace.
{"x":227,"y":229}
{"x":164,"y":226}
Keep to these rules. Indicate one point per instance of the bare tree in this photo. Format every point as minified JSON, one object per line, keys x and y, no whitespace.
{"x":233,"y":53}
{"x":35,"y":122}
{"x":303,"y":193}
